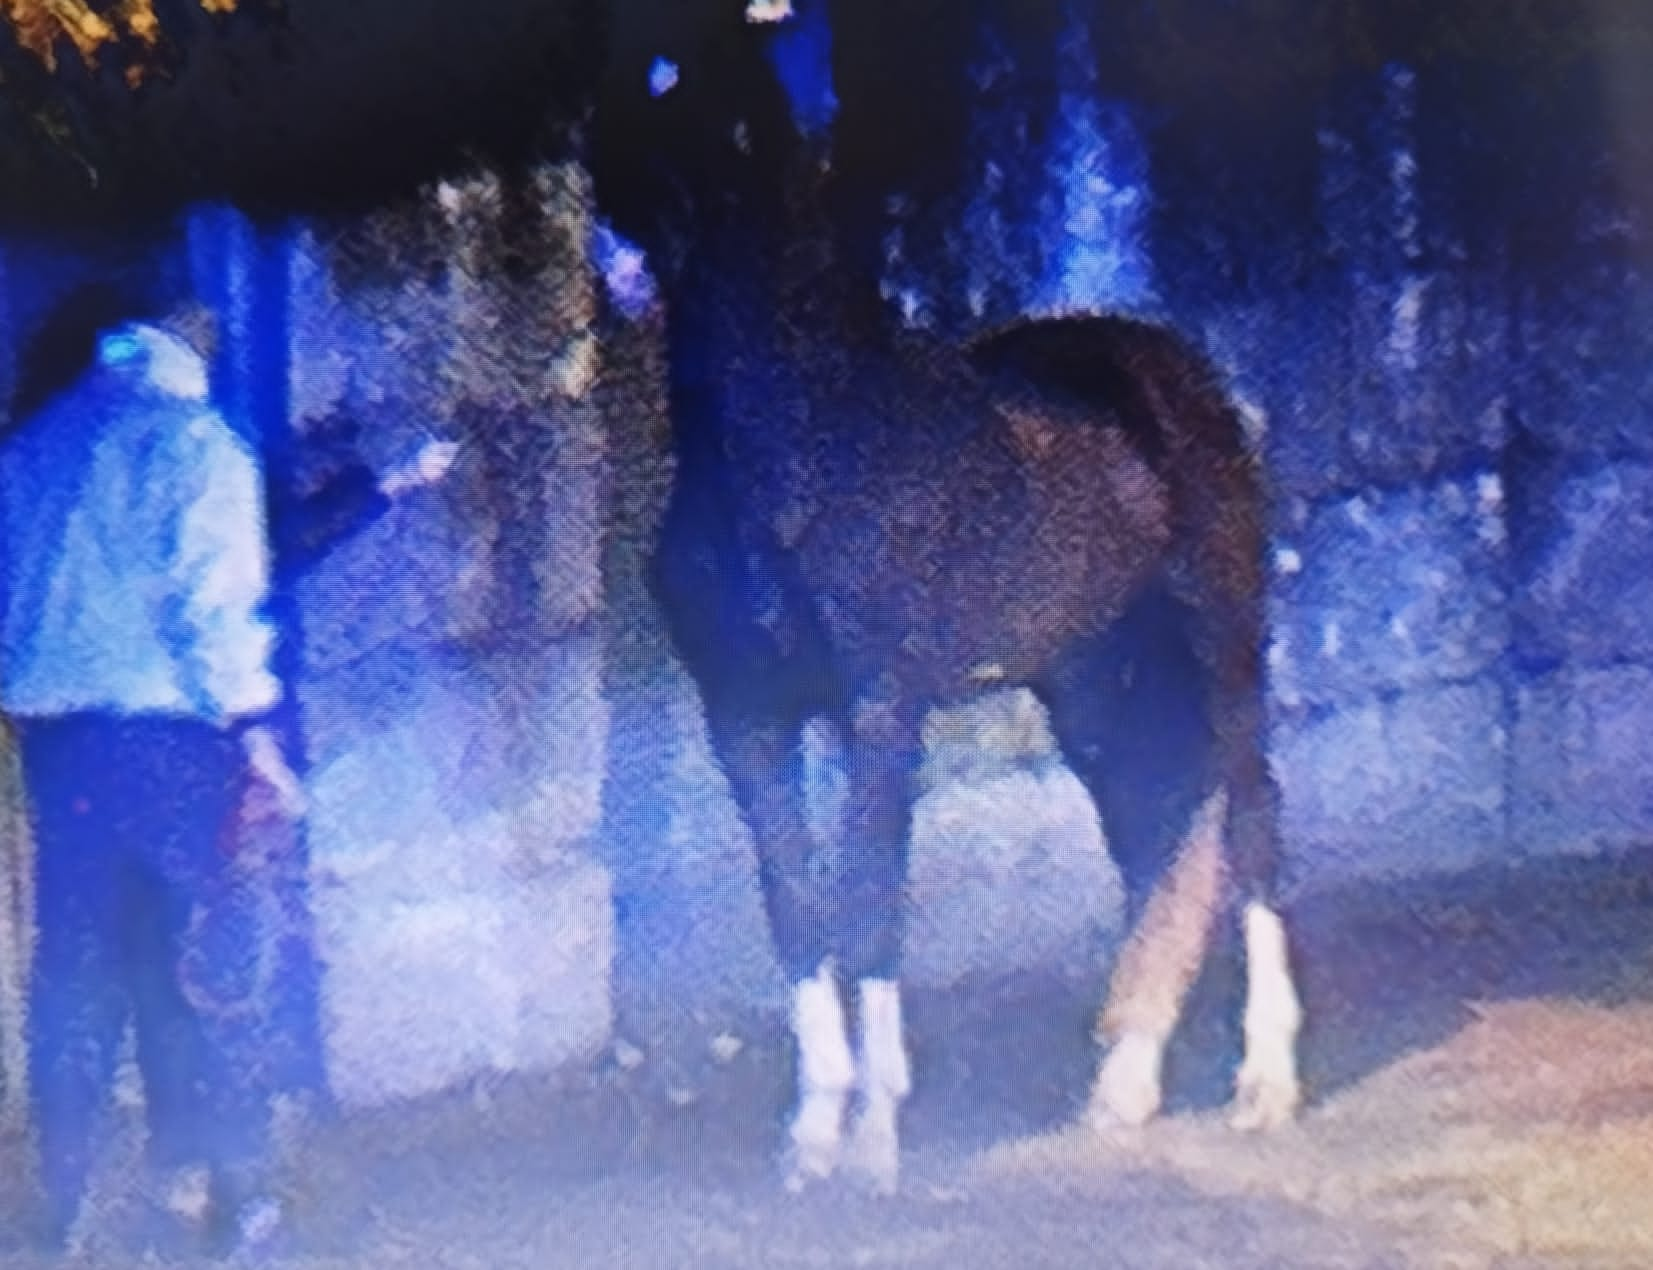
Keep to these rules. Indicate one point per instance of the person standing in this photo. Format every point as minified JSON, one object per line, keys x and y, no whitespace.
{"x":320,"y":493}
{"x":136,"y":665}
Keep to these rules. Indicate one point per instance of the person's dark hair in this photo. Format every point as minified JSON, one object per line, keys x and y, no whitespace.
{"x":194,"y":323}
{"x":62,"y":347}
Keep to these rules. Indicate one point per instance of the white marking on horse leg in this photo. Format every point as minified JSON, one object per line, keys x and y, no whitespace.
{"x":1128,"y":1089}
{"x":826,"y":1071}
{"x":1155,"y":970}
{"x":886,"y":1080}
{"x":1267,"y":1092}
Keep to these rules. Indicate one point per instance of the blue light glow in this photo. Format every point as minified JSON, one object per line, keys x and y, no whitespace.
{"x":662,"y":77}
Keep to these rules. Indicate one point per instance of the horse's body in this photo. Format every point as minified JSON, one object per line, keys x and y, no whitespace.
{"x":942,"y":527}
{"x":866,"y":526}
{"x":1068,"y":505}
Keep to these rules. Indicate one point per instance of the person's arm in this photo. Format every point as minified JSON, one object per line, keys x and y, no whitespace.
{"x":223,"y":643}
{"x":277,"y":792}
{"x":304,"y":527}
{"x":223,"y":640}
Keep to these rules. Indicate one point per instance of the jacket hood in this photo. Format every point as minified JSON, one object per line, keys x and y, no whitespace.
{"x":156,"y":358}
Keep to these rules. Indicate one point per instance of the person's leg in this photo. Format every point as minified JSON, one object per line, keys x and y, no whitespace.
{"x":208,"y":1073}
{"x":222,"y":947}
{"x":291,"y":1005}
{"x":77,"y":1004}
{"x":168,"y":1030}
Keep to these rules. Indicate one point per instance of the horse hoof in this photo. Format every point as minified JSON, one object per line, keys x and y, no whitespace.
{"x":1263,"y":1100}
{"x":811,"y":1160}
{"x":875,"y":1153}
{"x":1128,"y":1088}
{"x":817,"y":1137}
{"x":808,"y":1169}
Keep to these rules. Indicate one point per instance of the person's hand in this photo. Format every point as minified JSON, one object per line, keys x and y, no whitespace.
{"x":273,"y":791}
{"x":427,"y":467}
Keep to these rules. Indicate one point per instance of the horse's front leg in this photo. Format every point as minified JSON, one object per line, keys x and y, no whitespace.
{"x":883,"y":755}
{"x":826,"y":1075}
{"x":761,"y":757}
{"x":884,"y":1079}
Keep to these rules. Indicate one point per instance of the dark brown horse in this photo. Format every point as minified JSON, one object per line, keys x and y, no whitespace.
{"x":867,"y":525}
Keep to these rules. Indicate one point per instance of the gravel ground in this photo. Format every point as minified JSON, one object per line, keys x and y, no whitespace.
{"x":670,"y":1157}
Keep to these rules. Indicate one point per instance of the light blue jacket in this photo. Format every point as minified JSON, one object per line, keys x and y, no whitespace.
{"x":134,"y":563}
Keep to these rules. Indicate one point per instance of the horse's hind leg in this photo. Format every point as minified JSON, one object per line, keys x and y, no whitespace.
{"x":1156,"y":968}
{"x":761,"y":756}
{"x":1131,"y":715}
{"x":1225,"y":583}
{"x":883,"y":753}
{"x":1221,"y":789}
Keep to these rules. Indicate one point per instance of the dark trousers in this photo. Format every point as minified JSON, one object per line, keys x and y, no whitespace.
{"x":133,"y":884}
{"x":291,"y":1038}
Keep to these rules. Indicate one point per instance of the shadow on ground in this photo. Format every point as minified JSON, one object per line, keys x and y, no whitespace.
{"x":1388,"y":971}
